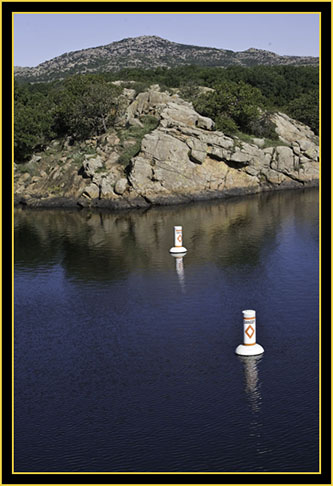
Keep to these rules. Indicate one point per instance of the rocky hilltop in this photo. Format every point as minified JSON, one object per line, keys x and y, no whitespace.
{"x":150,"y":52}
{"x":183,"y":159}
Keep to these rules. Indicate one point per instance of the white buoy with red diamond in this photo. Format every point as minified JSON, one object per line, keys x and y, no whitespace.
{"x":178,"y":248}
{"x":249,"y":347}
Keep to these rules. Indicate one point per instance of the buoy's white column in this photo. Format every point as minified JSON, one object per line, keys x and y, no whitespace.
{"x":178,"y":248}
{"x":249,"y":347}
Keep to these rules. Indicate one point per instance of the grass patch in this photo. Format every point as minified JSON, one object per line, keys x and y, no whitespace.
{"x":268,"y":142}
{"x":244,"y":137}
{"x":78,"y":158}
{"x":26,"y":169}
{"x":149,"y":123}
{"x":100,"y":170}
{"x":135,"y":133}
{"x":274,"y":143}
{"x":52,"y":151}
{"x":129,"y":152}
{"x":56,"y":190}
{"x":89,"y":150}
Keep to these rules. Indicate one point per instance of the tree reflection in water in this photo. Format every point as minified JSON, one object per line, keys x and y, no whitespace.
{"x":101,"y":245}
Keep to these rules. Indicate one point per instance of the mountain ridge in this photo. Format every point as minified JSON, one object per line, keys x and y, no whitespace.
{"x":150,"y":52}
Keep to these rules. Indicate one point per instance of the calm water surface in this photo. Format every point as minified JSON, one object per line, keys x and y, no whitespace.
{"x":124,"y":355}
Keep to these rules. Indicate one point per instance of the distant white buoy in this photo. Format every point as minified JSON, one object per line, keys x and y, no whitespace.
{"x":178,"y":241}
{"x":249,"y":347}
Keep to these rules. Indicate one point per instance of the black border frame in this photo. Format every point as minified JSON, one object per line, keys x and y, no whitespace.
{"x":8,"y":7}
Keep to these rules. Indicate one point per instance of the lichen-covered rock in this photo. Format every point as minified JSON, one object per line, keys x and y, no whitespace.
{"x":91,"y":191}
{"x":219,"y":153}
{"x":307,"y":172}
{"x":283,"y":159}
{"x":272,"y":176}
{"x":240,"y":157}
{"x":162,"y":146}
{"x":120,"y":186}
{"x":197,"y":156}
{"x":290,"y":130}
{"x":90,"y":166}
{"x":184,"y":113}
{"x":239,"y":180}
{"x":106,"y":187}
{"x":146,"y":102}
{"x":141,"y":173}
{"x":260,"y":142}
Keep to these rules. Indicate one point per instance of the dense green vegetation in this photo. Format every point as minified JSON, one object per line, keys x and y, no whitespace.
{"x":33,"y":119}
{"x":278,"y":84}
{"x":290,"y":89}
{"x":79,"y":107}
{"x":233,"y":105}
{"x":85,"y":105}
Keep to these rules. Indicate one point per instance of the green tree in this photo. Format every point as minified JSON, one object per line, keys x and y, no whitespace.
{"x":86,"y":106}
{"x":305,"y":109}
{"x":33,"y":118}
{"x":233,"y":106}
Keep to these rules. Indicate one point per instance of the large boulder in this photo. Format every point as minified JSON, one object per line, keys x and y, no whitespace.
{"x":283,"y":159}
{"x":170,"y":108}
{"x":290,"y":130}
{"x":90,"y":166}
{"x":147,"y":102}
{"x":174,"y":114}
{"x":120,"y":186}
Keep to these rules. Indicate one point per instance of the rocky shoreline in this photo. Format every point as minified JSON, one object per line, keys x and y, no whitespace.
{"x":140,"y":203}
{"x":182,"y":159}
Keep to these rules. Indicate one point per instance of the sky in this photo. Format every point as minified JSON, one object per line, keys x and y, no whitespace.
{"x":40,"y":37}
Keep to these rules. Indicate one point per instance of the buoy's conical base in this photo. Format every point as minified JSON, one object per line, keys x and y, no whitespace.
{"x":243,"y":350}
{"x":178,"y":255}
{"x":178,"y":249}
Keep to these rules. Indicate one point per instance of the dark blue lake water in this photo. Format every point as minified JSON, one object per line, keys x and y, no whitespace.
{"x":124,"y":355}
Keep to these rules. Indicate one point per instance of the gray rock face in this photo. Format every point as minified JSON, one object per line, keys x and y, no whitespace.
{"x":283,"y":159}
{"x":90,"y":166}
{"x":91,"y":191}
{"x":183,"y":159}
{"x":291,"y":131}
{"x":183,"y":113}
{"x":120,"y":186}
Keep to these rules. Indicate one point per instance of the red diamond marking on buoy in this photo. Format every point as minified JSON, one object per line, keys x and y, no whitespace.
{"x":249,"y":331}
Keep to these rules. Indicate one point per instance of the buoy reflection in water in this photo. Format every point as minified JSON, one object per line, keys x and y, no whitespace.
{"x":180,"y":269}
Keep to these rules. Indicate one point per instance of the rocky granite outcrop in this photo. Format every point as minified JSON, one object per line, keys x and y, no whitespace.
{"x":183,"y":159}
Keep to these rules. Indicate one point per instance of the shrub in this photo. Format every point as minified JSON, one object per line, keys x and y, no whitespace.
{"x":232,"y":105}
{"x":86,"y":106}
{"x":306,"y":109}
{"x":263,"y":127}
